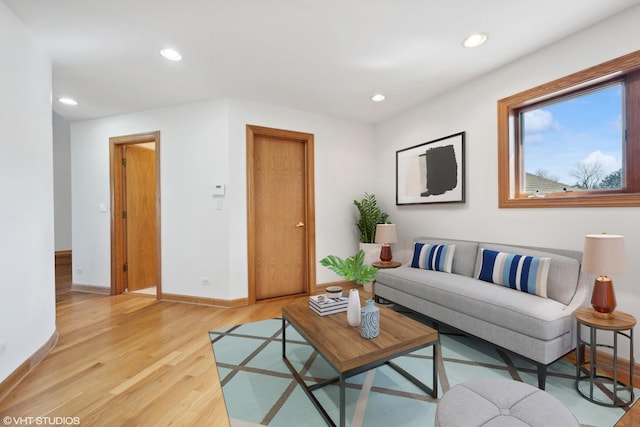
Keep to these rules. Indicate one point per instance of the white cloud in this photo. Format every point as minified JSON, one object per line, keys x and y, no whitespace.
{"x":609,"y":163}
{"x":538,"y":121}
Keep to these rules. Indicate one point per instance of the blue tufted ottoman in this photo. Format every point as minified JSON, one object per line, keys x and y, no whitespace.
{"x":501,"y":403}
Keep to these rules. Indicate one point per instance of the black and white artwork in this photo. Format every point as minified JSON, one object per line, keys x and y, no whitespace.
{"x":432,"y":172}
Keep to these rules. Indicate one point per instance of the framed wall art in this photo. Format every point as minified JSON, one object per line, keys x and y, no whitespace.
{"x":432,"y":172}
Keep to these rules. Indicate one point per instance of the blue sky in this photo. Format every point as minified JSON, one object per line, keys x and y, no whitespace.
{"x":588,"y":129}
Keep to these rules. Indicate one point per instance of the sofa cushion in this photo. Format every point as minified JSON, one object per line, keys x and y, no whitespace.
{"x":433,"y":257}
{"x":464,"y":259}
{"x":541,"y":318}
{"x":564,"y":272}
{"x":521,"y":272}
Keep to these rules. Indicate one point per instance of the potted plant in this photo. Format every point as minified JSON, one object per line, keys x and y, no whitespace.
{"x":370,"y":215}
{"x":352,"y":269}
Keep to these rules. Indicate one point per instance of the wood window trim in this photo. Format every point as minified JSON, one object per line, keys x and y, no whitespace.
{"x":507,"y":195}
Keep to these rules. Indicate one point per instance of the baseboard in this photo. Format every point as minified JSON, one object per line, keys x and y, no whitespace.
{"x":606,"y":359}
{"x":63,"y":257}
{"x":344,"y":284}
{"x":91,"y":289}
{"x":21,"y":371}
{"x":241,"y":302}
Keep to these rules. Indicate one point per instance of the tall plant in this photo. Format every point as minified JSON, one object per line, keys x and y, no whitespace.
{"x":370,"y":216}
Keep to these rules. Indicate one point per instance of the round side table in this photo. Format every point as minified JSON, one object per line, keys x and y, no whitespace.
{"x":598,"y":387}
{"x":382,"y":265}
{"x":387,"y":264}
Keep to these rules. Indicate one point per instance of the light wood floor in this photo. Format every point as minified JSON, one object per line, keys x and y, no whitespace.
{"x":130,"y":360}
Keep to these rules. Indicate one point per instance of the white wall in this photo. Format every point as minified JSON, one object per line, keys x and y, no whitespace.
{"x":472,"y":108}
{"x":193,"y":156}
{"x":203,"y":144}
{"x":27,"y":283}
{"x":343,"y":159}
{"x":62,"y":182}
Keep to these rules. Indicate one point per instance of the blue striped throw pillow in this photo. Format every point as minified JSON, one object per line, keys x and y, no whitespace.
{"x":433,"y":257}
{"x":521,"y":272}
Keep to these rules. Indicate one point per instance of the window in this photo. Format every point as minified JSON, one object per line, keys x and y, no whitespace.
{"x":574,"y":141}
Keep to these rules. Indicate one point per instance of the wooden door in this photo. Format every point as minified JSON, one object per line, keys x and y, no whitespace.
{"x":135,"y":212}
{"x":281,"y":218}
{"x":140,"y":222}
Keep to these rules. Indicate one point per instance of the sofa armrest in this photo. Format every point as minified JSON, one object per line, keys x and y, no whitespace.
{"x":580,"y":299}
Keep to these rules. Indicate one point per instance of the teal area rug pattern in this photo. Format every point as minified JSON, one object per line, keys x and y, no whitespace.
{"x":259,"y":389}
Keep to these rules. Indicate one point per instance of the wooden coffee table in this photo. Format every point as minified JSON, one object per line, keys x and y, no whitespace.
{"x":350,"y":354}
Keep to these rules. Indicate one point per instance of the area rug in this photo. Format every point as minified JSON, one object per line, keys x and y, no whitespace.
{"x":259,"y":389}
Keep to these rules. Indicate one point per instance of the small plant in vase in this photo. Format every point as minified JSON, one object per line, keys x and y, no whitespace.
{"x":352,"y":269}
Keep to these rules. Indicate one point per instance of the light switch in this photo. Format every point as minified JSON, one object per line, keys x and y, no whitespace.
{"x":103,"y":207}
{"x":218,"y":190}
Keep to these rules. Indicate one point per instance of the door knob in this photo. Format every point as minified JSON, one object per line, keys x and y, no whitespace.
{"x":300,"y":224}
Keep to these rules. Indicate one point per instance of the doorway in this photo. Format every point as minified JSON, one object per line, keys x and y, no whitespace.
{"x":135,"y":214}
{"x":281,"y":213}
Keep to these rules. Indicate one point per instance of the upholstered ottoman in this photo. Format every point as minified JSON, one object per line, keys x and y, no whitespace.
{"x":501,"y":403}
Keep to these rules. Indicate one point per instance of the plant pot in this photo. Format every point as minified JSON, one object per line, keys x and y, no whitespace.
{"x":371,"y":252}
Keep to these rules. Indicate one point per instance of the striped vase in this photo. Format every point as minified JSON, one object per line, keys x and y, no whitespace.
{"x":370,"y":322}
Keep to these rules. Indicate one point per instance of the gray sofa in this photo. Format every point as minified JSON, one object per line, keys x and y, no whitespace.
{"x":539,"y":329}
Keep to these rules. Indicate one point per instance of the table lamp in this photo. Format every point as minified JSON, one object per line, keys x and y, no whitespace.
{"x":603,"y":254}
{"x":386,"y":234}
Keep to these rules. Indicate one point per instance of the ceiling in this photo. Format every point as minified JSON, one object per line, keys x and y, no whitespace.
{"x":324,"y":56}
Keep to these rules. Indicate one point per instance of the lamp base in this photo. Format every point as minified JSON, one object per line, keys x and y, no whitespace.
{"x":605,"y":316}
{"x":385,"y":253}
{"x":603,"y":299}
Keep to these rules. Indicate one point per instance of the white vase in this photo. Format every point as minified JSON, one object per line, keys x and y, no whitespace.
{"x":353,"y":308}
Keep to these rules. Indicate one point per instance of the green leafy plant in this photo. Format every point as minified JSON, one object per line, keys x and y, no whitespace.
{"x":370,"y":216}
{"x":352,"y":268}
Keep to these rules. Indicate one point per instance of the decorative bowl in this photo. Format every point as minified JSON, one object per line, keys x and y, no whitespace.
{"x":334,"y":291}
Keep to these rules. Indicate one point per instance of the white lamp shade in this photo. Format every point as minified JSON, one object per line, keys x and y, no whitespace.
{"x":604,"y":254}
{"x":386,"y":233}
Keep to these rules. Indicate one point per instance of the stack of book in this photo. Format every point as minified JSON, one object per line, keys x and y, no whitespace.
{"x":323,"y":305}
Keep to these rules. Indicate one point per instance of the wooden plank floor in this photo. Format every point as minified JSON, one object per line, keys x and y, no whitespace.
{"x":133,"y":360}
{"x":130,"y":360}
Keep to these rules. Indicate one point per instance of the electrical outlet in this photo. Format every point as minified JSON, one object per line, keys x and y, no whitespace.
{"x":3,"y":347}
{"x":206,"y":281}
{"x":79,"y":270}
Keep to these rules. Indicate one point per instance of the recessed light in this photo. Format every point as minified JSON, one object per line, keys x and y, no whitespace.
{"x":475,"y":40}
{"x":171,"y":54}
{"x":378,"y":97}
{"x":68,"y":101}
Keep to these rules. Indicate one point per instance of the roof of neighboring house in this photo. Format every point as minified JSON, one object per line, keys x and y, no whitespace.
{"x":535,"y":183}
